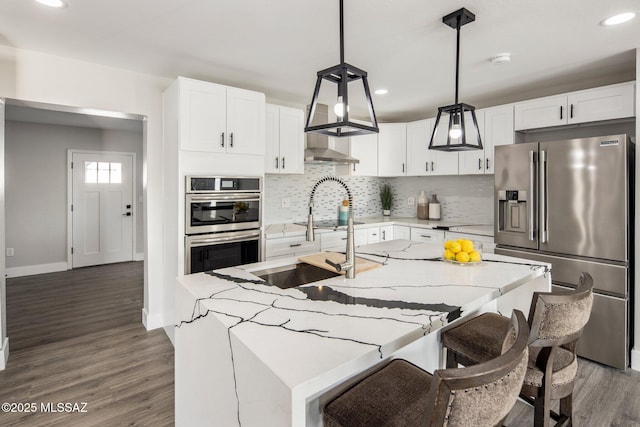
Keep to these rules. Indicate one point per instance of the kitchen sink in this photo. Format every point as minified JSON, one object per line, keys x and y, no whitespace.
{"x":290,"y":276}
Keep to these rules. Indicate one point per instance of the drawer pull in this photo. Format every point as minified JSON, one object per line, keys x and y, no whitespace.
{"x":295,"y":245}
{"x":424,"y":235}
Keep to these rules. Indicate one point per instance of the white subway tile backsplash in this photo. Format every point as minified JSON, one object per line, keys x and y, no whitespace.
{"x":466,"y":199}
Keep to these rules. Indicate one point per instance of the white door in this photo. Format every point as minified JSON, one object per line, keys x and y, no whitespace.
{"x":102,"y":208}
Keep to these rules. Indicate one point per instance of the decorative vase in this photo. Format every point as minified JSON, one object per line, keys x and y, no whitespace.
{"x":386,"y":212}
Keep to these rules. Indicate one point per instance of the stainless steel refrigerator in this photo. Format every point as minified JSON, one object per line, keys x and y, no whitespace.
{"x":570,"y":203}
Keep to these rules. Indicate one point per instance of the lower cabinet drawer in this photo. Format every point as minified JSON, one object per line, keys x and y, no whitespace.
{"x":290,"y":246}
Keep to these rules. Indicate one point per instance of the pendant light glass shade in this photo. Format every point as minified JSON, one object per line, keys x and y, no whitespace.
{"x":463,"y":131}
{"x":341,"y":75}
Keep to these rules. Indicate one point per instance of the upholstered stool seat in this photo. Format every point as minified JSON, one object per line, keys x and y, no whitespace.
{"x":402,"y":395}
{"x":479,"y":339}
{"x":400,"y":385}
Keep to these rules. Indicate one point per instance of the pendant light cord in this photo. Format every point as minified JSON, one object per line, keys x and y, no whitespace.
{"x":457,"y":54}
{"x":341,"y":34}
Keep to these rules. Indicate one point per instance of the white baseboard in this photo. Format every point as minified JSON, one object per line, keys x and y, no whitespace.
{"x":635,"y":360}
{"x":153,"y":321}
{"x":138,"y":256}
{"x":4,"y":353}
{"x":29,"y":270}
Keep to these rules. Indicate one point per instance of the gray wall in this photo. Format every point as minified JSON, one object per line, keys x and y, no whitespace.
{"x":36,"y":186}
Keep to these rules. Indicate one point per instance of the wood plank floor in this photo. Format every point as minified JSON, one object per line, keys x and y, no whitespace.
{"x":76,"y":336}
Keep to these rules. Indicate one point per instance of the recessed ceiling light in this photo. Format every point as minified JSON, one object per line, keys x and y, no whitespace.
{"x":619,"y":18}
{"x":381,"y":91}
{"x":53,"y":3}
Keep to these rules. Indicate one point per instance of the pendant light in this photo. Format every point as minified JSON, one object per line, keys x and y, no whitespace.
{"x":461,"y":136}
{"x":342,"y":74}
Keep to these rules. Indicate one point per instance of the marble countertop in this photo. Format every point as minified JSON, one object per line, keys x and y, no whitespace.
{"x":292,"y":229}
{"x":321,"y":327}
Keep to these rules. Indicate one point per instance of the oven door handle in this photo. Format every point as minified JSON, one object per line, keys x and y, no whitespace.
{"x":224,"y":238}
{"x":236,"y":197}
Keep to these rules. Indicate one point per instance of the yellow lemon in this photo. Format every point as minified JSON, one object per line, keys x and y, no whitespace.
{"x":447,"y":244}
{"x":467,"y":246}
{"x":449,"y":255}
{"x":462,"y":257}
{"x":475,"y":256}
{"x":455,"y":247}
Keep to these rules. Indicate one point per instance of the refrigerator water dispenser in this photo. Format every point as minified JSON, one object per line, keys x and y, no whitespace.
{"x":512,"y":211}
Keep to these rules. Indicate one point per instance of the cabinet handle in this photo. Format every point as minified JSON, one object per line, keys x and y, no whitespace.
{"x":222,"y":139}
{"x":295,"y":245}
{"x":231,"y":140}
{"x":403,"y":168}
{"x":432,"y":167}
{"x":384,"y":236}
{"x":561,"y":112}
{"x":354,"y":167}
{"x":282,"y":162}
{"x":479,"y":164}
{"x":426,"y":166}
{"x":425,"y":236}
{"x":571,"y":112}
{"x":487,"y":163}
{"x":277,"y":163}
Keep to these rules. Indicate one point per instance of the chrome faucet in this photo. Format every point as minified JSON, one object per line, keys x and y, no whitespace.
{"x":349,"y":265}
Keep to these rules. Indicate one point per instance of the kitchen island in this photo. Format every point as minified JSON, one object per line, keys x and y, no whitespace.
{"x":248,"y":353}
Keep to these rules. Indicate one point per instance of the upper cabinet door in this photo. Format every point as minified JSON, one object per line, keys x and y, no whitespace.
{"x":203,"y":115}
{"x":245,"y":121}
{"x":272,"y":139}
{"x":291,"y":140}
{"x":418,"y":134}
{"x":604,"y":103}
{"x":498,"y":130}
{"x":442,"y":162}
{"x":472,"y":162}
{"x":542,"y":112}
{"x":365,"y":149}
{"x":392,"y":149}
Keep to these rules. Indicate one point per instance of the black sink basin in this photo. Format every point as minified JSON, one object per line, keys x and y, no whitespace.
{"x":290,"y":276}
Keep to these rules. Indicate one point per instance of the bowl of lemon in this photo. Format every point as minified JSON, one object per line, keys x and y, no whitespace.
{"x":462,"y":252}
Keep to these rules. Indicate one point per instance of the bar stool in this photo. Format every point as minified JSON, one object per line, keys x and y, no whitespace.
{"x":403,"y":395}
{"x":556,"y":320}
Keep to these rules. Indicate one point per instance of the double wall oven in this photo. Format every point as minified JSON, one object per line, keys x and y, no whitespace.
{"x":222,"y":222}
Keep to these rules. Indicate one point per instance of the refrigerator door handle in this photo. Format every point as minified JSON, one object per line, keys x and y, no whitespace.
{"x":544,"y":238}
{"x":532,"y":211}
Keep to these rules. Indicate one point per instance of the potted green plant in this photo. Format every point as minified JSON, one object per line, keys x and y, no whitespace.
{"x":386,"y":198}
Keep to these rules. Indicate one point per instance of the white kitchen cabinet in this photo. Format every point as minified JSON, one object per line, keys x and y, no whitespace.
{"x":365,"y":149}
{"x":333,"y":240}
{"x":392,"y":149}
{"x":471,"y":162}
{"x":401,"y":232}
{"x":220,"y":119}
{"x":603,"y":103}
{"x":290,"y":246}
{"x":496,"y":128}
{"x":361,"y":236}
{"x":386,"y":233}
{"x":442,"y":162}
{"x":284,"y":140}
{"x":419,"y":234}
{"x":420,"y":160}
{"x":373,"y":235}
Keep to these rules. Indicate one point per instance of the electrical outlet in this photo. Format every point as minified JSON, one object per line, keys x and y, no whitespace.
{"x":10,"y":252}
{"x":411,"y":201}
{"x":285,"y":203}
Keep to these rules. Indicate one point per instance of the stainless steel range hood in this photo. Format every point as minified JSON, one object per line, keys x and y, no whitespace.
{"x":318,"y":150}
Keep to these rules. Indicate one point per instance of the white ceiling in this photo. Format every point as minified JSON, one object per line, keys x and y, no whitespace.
{"x":277,"y":46}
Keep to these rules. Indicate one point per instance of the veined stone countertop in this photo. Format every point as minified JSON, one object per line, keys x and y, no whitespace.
{"x":248,"y":353}
{"x":272,"y":231}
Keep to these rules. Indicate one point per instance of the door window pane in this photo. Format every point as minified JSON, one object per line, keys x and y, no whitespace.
{"x":102,"y":173}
